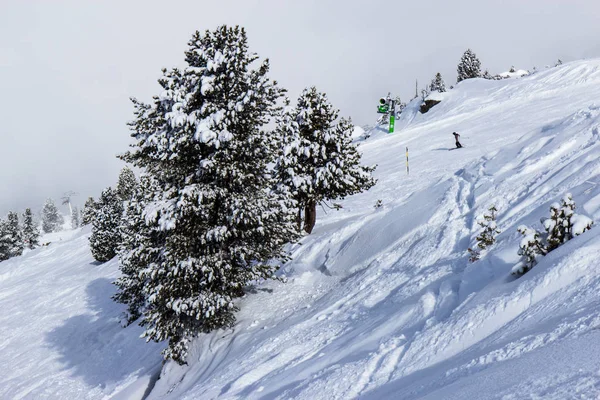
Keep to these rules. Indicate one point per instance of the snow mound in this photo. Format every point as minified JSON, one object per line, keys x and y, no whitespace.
{"x":514,"y":74}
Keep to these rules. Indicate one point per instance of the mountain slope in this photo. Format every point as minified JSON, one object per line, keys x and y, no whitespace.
{"x":60,"y":331}
{"x":384,"y":304}
{"x":380,"y":303}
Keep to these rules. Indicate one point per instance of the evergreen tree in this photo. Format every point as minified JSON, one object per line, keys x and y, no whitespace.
{"x":204,"y":145}
{"x":319,"y":162}
{"x":31,"y":233}
{"x":5,"y":241}
{"x":51,"y":219}
{"x":487,"y":236}
{"x":141,"y":245}
{"x":75,"y":217}
{"x":530,"y":249}
{"x":562,"y":226}
{"x":105,"y":237}
{"x":89,"y":209}
{"x":15,"y":234}
{"x":126,"y":184}
{"x":469,"y":66}
{"x":437,"y":84}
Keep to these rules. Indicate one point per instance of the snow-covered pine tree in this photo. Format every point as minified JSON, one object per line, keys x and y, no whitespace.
{"x":15,"y":234}
{"x":203,"y":143}
{"x":105,"y":237}
{"x":437,"y":84}
{"x":531,"y":248}
{"x":487,"y":237}
{"x":142,"y":244}
{"x":555,"y":227}
{"x":51,"y":219}
{"x":74,"y":217}
{"x":89,"y":209}
{"x":563,"y":224}
{"x":469,"y":66}
{"x":319,"y":162}
{"x":31,"y":233}
{"x":5,"y":241}
{"x":126,"y":184}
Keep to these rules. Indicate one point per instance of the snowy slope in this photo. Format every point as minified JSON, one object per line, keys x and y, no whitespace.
{"x":59,"y":330}
{"x":379,"y":303}
{"x":383,"y":303}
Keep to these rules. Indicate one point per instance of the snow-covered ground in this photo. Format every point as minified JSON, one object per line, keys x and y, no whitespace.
{"x":60,"y":336}
{"x":380,"y":303}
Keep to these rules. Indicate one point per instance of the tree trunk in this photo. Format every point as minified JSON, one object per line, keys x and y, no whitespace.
{"x":299,"y":218}
{"x":310,"y":216}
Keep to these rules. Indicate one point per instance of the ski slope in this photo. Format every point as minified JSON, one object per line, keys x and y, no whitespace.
{"x":60,"y":336}
{"x":379,"y":303}
{"x":383,"y":304}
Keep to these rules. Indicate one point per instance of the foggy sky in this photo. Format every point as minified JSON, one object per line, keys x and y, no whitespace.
{"x":67,"y":69}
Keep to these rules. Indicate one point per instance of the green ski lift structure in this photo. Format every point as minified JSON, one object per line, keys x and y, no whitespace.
{"x":387,"y":105}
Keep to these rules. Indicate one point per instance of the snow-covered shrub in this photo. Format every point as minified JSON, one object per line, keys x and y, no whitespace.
{"x":105,"y":235}
{"x":562,"y":225}
{"x":487,"y":236}
{"x":531,"y":248}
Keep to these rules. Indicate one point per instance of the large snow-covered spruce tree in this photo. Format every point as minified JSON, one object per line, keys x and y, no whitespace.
{"x":105,"y":236}
{"x":319,"y":161}
{"x":31,"y":232}
{"x":203,"y":142}
{"x":469,"y":66}
{"x":51,"y":218}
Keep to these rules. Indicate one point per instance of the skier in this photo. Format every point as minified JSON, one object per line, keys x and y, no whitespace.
{"x":456,"y":136}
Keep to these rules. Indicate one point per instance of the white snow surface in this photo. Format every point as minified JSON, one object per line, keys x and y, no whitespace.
{"x":60,"y":336}
{"x":517,"y":74}
{"x":380,"y":303}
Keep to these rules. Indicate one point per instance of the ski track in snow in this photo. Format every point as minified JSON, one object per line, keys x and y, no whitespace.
{"x":383,"y":303}
{"x":380,"y":303}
